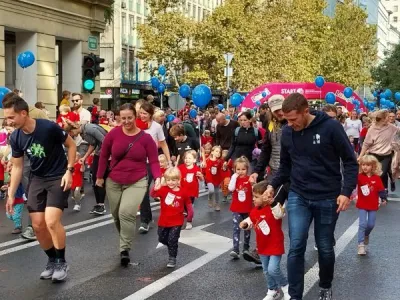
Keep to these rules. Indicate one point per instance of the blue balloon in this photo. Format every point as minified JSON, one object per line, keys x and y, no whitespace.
{"x":330,"y":98}
{"x":348,"y":92}
{"x":264,"y":94}
{"x":3,"y":91}
{"x":193,"y":113}
{"x":397,"y":96}
{"x":359,"y":111}
{"x":228,"y":117}
{"x":388,"y":94}
{"x":375,"y":93}
{"x":319,"y":81}
{"x":236,"y":99}
{"x":383,"y":101}
{"x":155,"y":82}
{"x":201,"y":95}
{"x":162,"y":70}
{"x":26,"y":59}
{"x":184,"y":90}
{"x":161,"y":88}
{"x":255,"y":108}
{"x":170,"y":118}
{"x":258,"y":103}
{"x":220,"y":107}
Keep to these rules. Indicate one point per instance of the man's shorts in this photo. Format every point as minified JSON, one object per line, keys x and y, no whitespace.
{"x":46,"y":192}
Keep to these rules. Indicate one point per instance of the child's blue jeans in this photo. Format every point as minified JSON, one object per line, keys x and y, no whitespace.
{"x":16,"y":217}
{"x":272,"y":270}
{"x":366,"y":219}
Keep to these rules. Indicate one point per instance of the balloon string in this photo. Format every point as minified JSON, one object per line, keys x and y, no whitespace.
{"x":22,"y":80}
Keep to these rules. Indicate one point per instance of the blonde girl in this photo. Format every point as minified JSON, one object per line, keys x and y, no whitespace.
{"x":242,"y":203}
{"x":213,"y":166}
{"x":370,"y":189}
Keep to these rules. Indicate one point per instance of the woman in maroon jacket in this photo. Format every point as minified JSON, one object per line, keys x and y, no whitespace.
{"x":129,"y":148}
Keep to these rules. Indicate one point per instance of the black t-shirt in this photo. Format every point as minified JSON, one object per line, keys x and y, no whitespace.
{"x":44,"y":148}
{"x":188,"y":144}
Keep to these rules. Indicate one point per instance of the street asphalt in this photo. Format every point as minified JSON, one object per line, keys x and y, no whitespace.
{"x":204,"y":268}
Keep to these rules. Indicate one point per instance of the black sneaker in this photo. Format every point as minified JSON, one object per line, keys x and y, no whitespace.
{"x":171,"y":262}
{"x":98,"y":210}
{"x":392,"y":186}
{"x":125,"y":259}
{"x":325,"y":294}
{"x":144,"y":228}
{"x":251,"y":256}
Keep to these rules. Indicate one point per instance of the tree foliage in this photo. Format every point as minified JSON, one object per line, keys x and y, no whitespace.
{"x":387,"y":75}
{"x":272,"y":41}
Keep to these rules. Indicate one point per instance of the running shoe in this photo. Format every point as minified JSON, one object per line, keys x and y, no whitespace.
{"x":217,"y":207}
{"x":361,"y":250}
{"x":98,"y":210}
{"x":29,"y":234}
{"x":234,"y":254}
{"x":17,"y":230}
{"x":252,"y":256}
{"x":171,"y":262}
{"x":189,"y":226}
{"x":77,"y":207}
{"x":60,"y":271}
{"x":144,"y":228}
{"x":325,"y":294}
{"x":272,"y":295}
{"x":392,"y":186}
{"x":48,"y":271}
{"x":285,"y":291}
{"x":125,"y":259}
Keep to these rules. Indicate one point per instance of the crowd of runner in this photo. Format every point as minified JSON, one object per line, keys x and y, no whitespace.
{"x":283,"y":158}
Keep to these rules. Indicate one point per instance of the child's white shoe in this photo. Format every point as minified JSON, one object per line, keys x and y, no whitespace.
{"x":285,"y":291}
{"x":189,"y":226}
{"x":272,"y":295}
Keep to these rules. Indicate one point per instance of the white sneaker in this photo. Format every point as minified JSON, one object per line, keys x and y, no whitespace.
{"x":272,"y":295}
{"x":189,"y":226}
{"x":285,"y":291}
{"x":77,"y":207}
{"x":315,"y":247}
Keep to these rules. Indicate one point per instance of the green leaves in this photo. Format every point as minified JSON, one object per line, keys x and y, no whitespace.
{"x":387,"y":73}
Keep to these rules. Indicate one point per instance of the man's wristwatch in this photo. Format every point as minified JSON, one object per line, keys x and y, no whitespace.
{"x":71,"y":169}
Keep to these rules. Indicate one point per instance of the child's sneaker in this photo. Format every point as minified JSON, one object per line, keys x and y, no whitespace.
{"x":225,"y":199}
{"x":189,"y":226}
{"x":366,"y":240}
{"x":217,"y":207}
{"x":272,"y":295}
{"x":361,"y":250}
{"x":77,"y":207}
{"x":171,"y":262}
{"x":17,"y":230}
{"x":285,"y":291}
{"x":234,"y":254}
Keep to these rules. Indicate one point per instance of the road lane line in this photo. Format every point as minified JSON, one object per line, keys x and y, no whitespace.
{"x":312,"y":276}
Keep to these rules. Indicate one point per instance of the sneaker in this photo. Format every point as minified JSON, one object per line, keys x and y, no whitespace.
{"x":99,"y":210}
{"x":234,"y":254}
{"x":252,"y":256}
{"x":189,"y":226}
{"x":29,"y":234}
{"x":93,"y":210}
{"x":366,"y":240}
{"x":144,"y":228}
{"x":285,"y":291}
{"x":361,"y":250}
{"x":125,"y":259}
{"x":171,"y":262}
{"x":60,"y":271}
{"x":272,"y":295}
{"x":224,"y":200}
{"x":217,"y":207}
{"x":392,"y":186}
{"x":48,"y":272}
{"x":17,"y":230}
{"x":77,"y":207}
{"x":325,"y":294}
{"x":315,"y":247}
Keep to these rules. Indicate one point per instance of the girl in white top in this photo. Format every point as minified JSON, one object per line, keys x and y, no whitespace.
{"x":353,"y":127}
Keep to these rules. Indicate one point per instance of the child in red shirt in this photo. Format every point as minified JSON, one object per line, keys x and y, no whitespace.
{"x":77,"y":182}
{"x":207,"y":138}
{"x":270,"y":241}
{"x":212,"y":167}
{"x":173,"y":202}
{"x":191,"y":174}
{"x":226,"y":173}
{"x":242,"y":203}
{"x":66,"y":116}
{"x":163,"y":163}
{"x":370,"y":189}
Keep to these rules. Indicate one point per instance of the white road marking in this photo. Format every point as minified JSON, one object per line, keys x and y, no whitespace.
{"x":312,"y":276}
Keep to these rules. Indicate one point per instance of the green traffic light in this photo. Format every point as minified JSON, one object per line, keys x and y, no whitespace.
{"x":88,"y":84}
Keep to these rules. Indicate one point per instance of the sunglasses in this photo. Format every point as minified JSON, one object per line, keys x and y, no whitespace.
{"x":76,"y":101}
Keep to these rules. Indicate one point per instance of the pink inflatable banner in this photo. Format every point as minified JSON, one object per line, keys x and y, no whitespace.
{"x":309,"y":90}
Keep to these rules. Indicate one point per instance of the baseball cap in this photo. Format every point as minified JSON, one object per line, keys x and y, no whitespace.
{"x":275,"y":102}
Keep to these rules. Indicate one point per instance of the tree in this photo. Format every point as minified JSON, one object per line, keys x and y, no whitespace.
{"x":109,"y":12}
{"x":387,"y":75}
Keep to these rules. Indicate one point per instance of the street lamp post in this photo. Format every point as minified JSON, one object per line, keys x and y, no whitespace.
{"x":228,"y":72}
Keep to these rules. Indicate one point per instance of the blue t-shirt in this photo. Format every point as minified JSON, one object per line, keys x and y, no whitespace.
{"x":44,"y":148}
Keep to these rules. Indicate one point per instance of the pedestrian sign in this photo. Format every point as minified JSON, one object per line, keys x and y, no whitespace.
{"x":93,"y":43}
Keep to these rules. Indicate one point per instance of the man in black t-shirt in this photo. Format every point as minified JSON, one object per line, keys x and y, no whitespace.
{"x":183,"y":142}
{"x":51,"y":177}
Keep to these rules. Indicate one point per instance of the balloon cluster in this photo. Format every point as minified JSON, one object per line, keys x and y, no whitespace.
{"x":386,"y":99}
{"x":26,"y":59}
{"x":236,"y":99}
{"x":158,"y":84}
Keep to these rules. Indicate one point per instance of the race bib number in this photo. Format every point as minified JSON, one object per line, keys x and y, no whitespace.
{"x":214,"y":170}
{"x":189,"y":177}
{"x":263,"y":225}
{"x":365,"y":190}
{"x":169,"y":199}
{"x":242,"y":196}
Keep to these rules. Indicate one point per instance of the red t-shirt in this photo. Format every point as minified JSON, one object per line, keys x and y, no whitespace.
{"x":228,"y":172}
{"x":163,"y":170}
{"x":189,"y":180}
{"x":103,"y":121}
{"x":363,"y":132}
{"x":368,"y":191}
{"x":77,"y":176}
{"x":269,"y":234}
{"x":71,"y":116}
{"x":95,"y":110}
{"x":213,"y":171}
{"x":1,"y":171}
{"x":172,"y":206}
{"x":206,"y":139}
{"x":242,"y":196}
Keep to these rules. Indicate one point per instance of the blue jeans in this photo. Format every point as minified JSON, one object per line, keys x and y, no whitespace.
{"x":301,"y":212}
{"x":366,"y":223}
{"x":272,"y":270}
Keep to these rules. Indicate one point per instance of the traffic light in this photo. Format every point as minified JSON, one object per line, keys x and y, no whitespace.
{"x":90,"y":69}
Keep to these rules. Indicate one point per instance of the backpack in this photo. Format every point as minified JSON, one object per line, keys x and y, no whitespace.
{"x":238,"y":128}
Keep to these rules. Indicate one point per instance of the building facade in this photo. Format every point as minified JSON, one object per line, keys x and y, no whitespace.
{"x":124,"y":80}
{"x":57,"y":32}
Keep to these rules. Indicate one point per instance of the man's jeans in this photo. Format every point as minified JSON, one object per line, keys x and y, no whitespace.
{"x":301,"y":212}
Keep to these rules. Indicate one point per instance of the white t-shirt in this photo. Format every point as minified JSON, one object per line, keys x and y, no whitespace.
{"x":214,"y":124}
{"x":156,"y":132}
{"x":85,"y":116}
{"x":353,"y":127}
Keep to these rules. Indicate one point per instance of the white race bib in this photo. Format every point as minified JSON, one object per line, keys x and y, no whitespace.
{"x":242,"y":196}
{"x":189,"y":177}
{"x":214,"y":170}
{"x":263,"y":225}
{"x":365,"y":190}
{"x":169,"y":199}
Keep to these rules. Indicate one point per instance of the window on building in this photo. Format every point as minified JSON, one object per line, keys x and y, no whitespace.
{"x":123,"y":25}
{"x":199,"y":14}
{"x":395,"y":8}
{"x":130,"y":6}
{"x":394,"y":19}
{"x":131,"y":25}
{"x":194,"y":11}
{"x":139,"y":6}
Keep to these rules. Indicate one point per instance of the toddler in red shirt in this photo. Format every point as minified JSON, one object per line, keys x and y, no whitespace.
{"x":77,"y":182}
{"x":226,"y":173}
{"x":191,"y":174}
{"x":173,"y":202}
{"x":242,"y":203}
{"x":66,"y":116}
{"x":163,"y":163}
{"x":370,"y":189}
{"x":212,"y":167}
{"x":270,"y":242}
{"x":206,"y":138}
